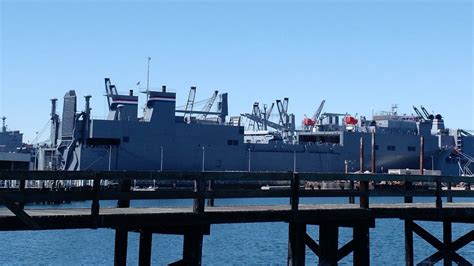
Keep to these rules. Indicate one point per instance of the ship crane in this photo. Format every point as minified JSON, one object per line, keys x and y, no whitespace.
{"x":266,"y":115}
{"x":255,"y":118}
{"x":427,"y":114}
{"x":283,"y":111}
{"x":207,"y":107}
{"x":269,"y":111}
{"x":109,"y":90}
{"x":189,"y":104}
{"x":259,"y":120}
{"x":420,"y":115}
{"x":258,"y":113}
{"x":309,"y":123}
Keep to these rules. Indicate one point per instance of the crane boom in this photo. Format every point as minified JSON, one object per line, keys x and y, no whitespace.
{"x":285,"y":105}
{"x":269,"y":111}
{"x":424,"y":111}
{"x":190,"y":103}
{"x":259,"y":120}
{"x":208,"y":105}
{"x":109,"y":90}
{"x":257,"y":113}
{"x":418,"y":112}
{"x":318,"y":112}
{"x":281,"y":111}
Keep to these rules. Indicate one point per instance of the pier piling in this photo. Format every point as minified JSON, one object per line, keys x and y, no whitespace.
{"x":361,"y":247}
{"x":409,"y":256}
{"x":328,"y":244}
{"x":296,"y":244}
{"x":121,"y":234}
{"x":121,"y":240}
{"x":192,"y":247}
{"x":144,"y":255}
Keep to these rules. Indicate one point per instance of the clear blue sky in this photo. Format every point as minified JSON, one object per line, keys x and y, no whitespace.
{"x":358,"y":55}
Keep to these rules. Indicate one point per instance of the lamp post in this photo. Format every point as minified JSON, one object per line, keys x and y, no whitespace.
{"x":203,"y":157}
{"x":294,"y":161}
{"x":161,"y":159}
{"x":432,"y":163}
{"x":351,"y":182}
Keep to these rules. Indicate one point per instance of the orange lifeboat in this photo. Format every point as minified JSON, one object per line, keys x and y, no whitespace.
{"x":350,"y":120}
{"x":309,"y":122}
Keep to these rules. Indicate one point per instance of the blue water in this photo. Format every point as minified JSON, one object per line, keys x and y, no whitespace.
{"x":236,"y":244}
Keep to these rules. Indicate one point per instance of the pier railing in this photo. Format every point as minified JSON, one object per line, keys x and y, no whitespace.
{"x":218,"y":185}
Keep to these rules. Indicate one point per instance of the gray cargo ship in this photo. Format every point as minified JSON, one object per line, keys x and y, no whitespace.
{"x":13,"y":154}
{"x":169,"y":139}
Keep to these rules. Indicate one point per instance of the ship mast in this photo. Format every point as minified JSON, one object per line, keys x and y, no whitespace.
{"x":4,"y":127}
{"x":148,"y":78}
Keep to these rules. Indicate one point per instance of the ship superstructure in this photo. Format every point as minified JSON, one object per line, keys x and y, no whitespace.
{"x":10,"y":141}
{"x":13,"y":154}
{"x":167,"y":138}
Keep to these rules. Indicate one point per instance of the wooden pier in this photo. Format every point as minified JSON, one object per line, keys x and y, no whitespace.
{"x":194,"y":222}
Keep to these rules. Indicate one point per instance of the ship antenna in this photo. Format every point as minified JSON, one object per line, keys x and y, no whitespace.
{"x":4,"y":127}
{"x":148,"y":78}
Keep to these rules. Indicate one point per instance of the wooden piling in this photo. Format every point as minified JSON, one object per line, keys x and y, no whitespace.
{"x":374,"y":170}
{"x":295,"y":190}
{"x":22,"y":188}
{"x":328,"y":244}
{"x":95,"y":206}
{"x":408,"y":188}
{"x":361,"y":155}
{"x":192,"y":247}
{"x":447,"y":239}
{"x":439,"y":201}
{"x":351,"y":182}
{"x":409,"y":255}
{"x":296,"y":244}
{"x":449,"y":198}
{"x":361,"y":247}
{"x":296,"y":231}
{"x":199,"y":201}
{"x":363,"y":185}
{"x":144,"y":255}
{"x":121,"y":234}
{"x":422,"y":154}
{"x":351,"y":186}
{"x":364,"y":194}
{"x":124,"y":186}
{"x":121,"y":240}
{"x":210,"y":201}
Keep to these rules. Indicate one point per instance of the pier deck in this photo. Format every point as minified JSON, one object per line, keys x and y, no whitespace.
{"x":74,"y":218}
{"x":193,"y":222}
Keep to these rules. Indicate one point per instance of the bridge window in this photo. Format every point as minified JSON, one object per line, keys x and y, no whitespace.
{"x":411,"y":148}
{"x":390,"y":148}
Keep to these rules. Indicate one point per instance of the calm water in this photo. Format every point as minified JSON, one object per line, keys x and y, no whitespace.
{"x":236,"y":244}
